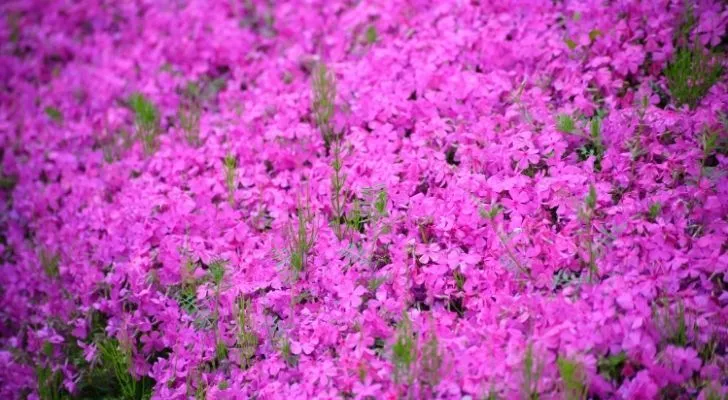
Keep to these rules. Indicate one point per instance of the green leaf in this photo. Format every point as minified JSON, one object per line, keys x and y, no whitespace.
{"x":594,"y":34}
{"x":381,"y":203}
{"x":654,"y":211}
{"x":146,"y":113}
{"x":595,"y":128}
{"x":691,"y":74}
{"x":572,"y":378}
{"x":565,"y":123}
{"x":403,"y":351}
{"x":492,"y":213}
{"x":217,"y":271}
{"x":371,"y":34}
{"x":54,"y":114}
{"x":570,"y":44}
{"x":591,"y":198}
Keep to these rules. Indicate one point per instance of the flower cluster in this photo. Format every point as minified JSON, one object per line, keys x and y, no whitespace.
{"x":367,"y":200}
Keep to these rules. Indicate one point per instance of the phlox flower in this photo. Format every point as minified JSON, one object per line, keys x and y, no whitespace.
{"x":711,"y":27}
{"x":366,"y":389}
{"x":428,"y":252}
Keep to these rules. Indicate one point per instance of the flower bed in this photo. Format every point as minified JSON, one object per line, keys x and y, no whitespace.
{"x":377,"y":199}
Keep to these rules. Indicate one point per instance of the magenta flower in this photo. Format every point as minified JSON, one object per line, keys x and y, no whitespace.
{"x":711,"y":27}
{"x":428,"y":252}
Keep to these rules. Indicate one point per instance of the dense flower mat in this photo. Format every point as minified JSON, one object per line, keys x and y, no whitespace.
{"x":363,"y":199}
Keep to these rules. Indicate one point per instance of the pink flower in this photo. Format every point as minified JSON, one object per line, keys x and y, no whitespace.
{"x":152,"y":342}
{"x":366,"y":389}
{"x":428,"y":252}
{"x":629,"y":60}
{"x":711,"y":27}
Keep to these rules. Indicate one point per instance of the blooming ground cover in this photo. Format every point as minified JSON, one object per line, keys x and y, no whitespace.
{"x":363,"y":199}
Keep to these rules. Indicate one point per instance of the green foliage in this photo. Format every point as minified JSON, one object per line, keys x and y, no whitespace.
{"x":186,"y":293}
{"x":201,"y":391}
{"x":147,"y":121}
{"x":187,"y":299}
{"x":712,"y":392}
{"x":221,"y":352}
{"x":189,"y":120}
{"x":691,"y":74}
{"x":117,"y":360}
{"x":594,"y":34}
{"x":692,"y":71}
{"x":593,"y":134}
{"x":50,"y":384}
{"x":369,"y":211}
{"x":636,"y":150}
{"x":54,"y":114}
{"x":723,"y":117}
{"x":188,"y":270}
{"x":286,"y":353}
{"x":362,"y":372}
{"x":404,"y":351}
{"x":532,"y":370}
{"x":324,"y":95}
{"x":654,"y":211}
{"x":570,"y":43}
{"x":192,"y":91}
{"x":216,"y":274}
{"x":108,"y":377}
{"x":216,"y":271}
{"x":301,"y":239}
{"x":490,"y":215}
{"x":611,"y":367}
{"x":708,"y":143}
{"x":214,"y":87}
{"x":371,"y":34}
{"x":595,"y":145}
{"x":7,"y":182}
{"x":566,"y":124}
{"x":431,"y":362}
{"x":246,"y":338}
{"x":672,"y":325}
{"x":230,"y":163}
{"x":572,"y":378}
{"x":375,"y":282}
{"x":708,"y":349}
{"x":586,"y":215}
{"x":492,"y":395}
{"x":145,"y":112}
{"x":493,"y":212}
{"x":516,"y":98}
{"x":193,"y":96}
{"x":380,"y":203}
{"x":50,"y":263}
{"x":459,"y":279}
{"x":678,"y":331}
{"x":355,"y":218}
{"x":13,"y":23}
{"x":563,"y":278}
{"x":338,"y":180}
{"x":302,"y":297}
{"x":590,"y":201}
{"x":48,"y":349}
